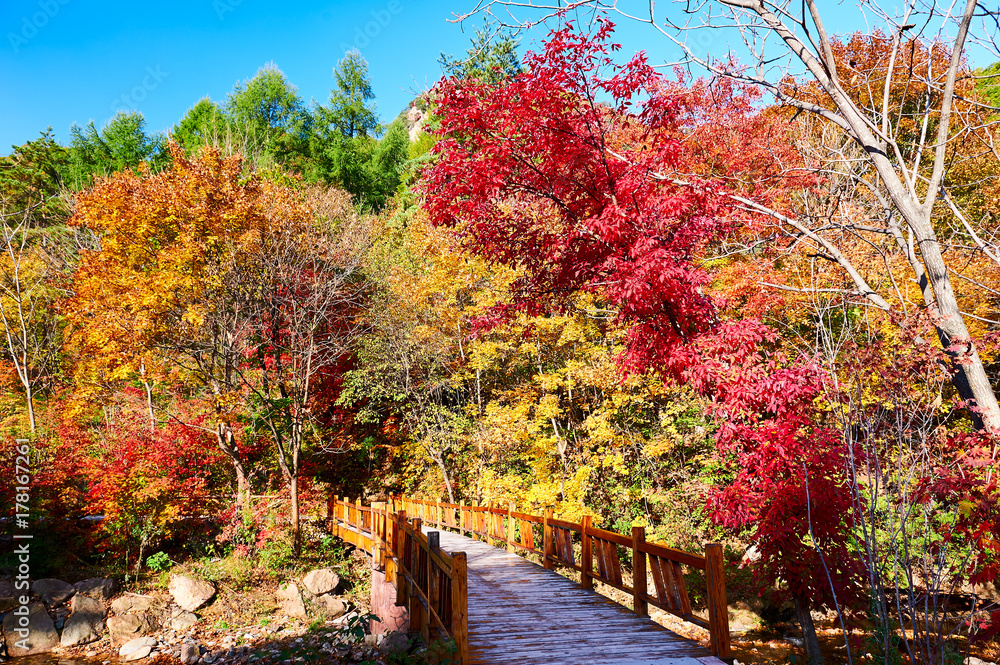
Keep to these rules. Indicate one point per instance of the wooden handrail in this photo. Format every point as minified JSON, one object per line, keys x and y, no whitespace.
{"x":653,"y":564}
{"x":431,"y":583}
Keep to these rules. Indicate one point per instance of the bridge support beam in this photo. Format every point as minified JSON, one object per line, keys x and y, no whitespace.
{"x":393,"y":617}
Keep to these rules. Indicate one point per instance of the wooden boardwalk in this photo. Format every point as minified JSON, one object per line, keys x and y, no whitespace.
{"x":520,"y":613}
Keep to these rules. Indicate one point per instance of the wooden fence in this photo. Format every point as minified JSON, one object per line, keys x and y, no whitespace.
{"x":557,"y":542}
{"x":432,"y":584}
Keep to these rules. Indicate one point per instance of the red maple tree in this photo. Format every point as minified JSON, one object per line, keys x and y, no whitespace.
{"x":589,"y":175}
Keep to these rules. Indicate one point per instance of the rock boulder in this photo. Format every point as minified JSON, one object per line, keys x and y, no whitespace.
{"x":321,"y":581}
{"x":53,"y":592}
{"x":290,"y":601}
{"x":331,"y":607}
{"x":179,"y":619}
{"x":86,"y":622}
{"x":129,"y":626}
{"x":137,"y":649}
{"x":9,"y":596}
{"x":98,"y":588}
{"x":190,"y":593}
{"x":41,"y":635}
{"x":131,"y":602}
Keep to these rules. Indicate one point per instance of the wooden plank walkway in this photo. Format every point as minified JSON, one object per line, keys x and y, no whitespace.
{"x":521,"y":613}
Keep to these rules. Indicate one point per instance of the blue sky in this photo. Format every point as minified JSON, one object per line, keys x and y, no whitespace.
{"x":72,"y":61}
{"x":66,"y":61}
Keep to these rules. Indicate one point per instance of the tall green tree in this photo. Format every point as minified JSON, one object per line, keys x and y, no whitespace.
{"x":491,"y":58}
{"x":203,"y":124}
{"x":345,"y":146}
{"x":352,"y":103}
{"x":33,"y":176}
{"x":262,"y":110}
{"x":121,"y":144}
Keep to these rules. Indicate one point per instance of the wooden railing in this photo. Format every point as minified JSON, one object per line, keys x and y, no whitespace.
{"x":431,"y":584}
{"x":560,"y":540}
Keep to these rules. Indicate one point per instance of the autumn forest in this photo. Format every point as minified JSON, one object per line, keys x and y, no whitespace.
{"x":751,"y":299}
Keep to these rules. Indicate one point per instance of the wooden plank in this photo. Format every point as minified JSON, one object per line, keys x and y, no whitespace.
{"x":568,"y":557}
{"x":657,"y":575}
{"x":459,"y":607}
{"x":511,"y":526}
{"x":615,"y":567}
{"x":527,"y":535}
{"x":563,"y":524}
{"x":639,"y":572}
{"x":673,"y":597}
{"x":718,"y":610}
{"x":521,"y":614}
{"x":612,"y":537}
{"x":685,"y":602}
{"x":509,"y":611}
{"x":547,"y":539}
{"x":671,"y":554}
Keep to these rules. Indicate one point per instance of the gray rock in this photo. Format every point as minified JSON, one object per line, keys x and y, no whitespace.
{"x":290,"y":601}
{"x":131,"y":602}
{"x":53,"y":592}
{"x":179,"y":619}
{"x":321,"y":581}
{"x":86,"y":622}
{"x":99,"y":588}
{"x":132,"y":645}
{"x":41,"y":635}
{"x":190,"y":592}
{"x":138,"y":654}
{"x":9,"y":596}
{"x":189,"y":654}
{"x":395,"y":644}
{"x":331,"y":607}
{"x":129,"y":626}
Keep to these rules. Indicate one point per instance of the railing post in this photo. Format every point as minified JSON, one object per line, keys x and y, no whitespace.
{"x":461,"y":517}
{"x":403,"y":562}
{"x":433,"y":593}
{"x":460,"y":606}
{"x":373,"y":516}
{"x":419,"y":616}
{"x":639,"y":571}
{"x":718,"y":608}
{"x":548,"y":545}
{"x":586,"y":554}
{"x":511,"y":534}
{"x":438,"y":516}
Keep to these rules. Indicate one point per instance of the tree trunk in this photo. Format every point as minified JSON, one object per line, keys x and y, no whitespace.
{"x":439,"y":460}
{"x":31,"y":406}
{"x":808,"y":630}
{"x":224,"y":437}
{"x":293,"y":488}
{"x":970,"y":380}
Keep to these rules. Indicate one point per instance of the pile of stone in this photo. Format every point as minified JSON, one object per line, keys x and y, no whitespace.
{"x":55,"y":613}
{"x":312,"y":595}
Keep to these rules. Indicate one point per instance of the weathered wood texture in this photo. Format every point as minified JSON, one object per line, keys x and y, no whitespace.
{"x":560,"y":539}
{"x":522,"y":613}
{"x":500,"y":608}
{"x":429,"y":583}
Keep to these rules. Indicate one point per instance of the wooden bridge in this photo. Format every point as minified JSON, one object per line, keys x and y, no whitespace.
{"x":498,"y":608}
